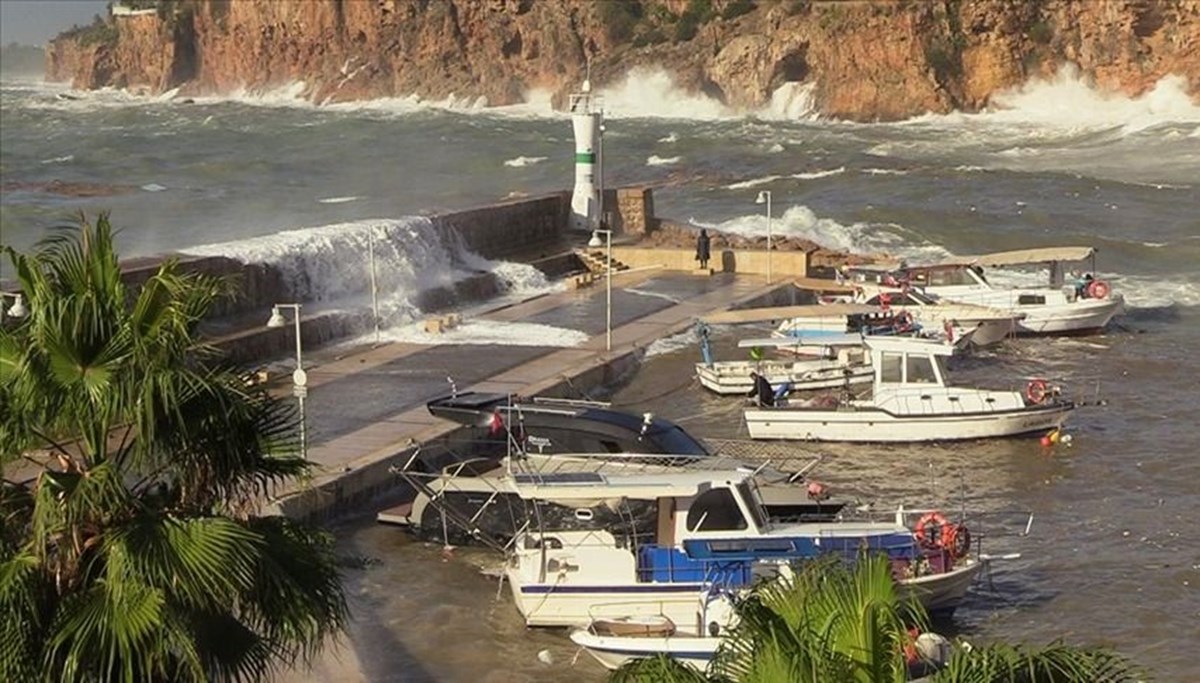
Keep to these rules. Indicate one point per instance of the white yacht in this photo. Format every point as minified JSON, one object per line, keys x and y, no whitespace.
{"x":911,"y":401}
{"x":1060,"y":306}
{"x":711,"y":534}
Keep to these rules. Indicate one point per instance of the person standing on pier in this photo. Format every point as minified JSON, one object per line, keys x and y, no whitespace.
{"x":703,"y":248}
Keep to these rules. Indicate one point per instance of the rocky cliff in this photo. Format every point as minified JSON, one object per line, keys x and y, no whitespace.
{"x":887,"y":59}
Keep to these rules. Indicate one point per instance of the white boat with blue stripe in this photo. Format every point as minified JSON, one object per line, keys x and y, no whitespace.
{"x":711,"y":534}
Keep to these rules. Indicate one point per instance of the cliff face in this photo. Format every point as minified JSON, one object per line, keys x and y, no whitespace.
{"x":868,"y":60}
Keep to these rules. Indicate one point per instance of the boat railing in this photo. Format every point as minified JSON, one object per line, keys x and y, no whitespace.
{"x":625,"y":608}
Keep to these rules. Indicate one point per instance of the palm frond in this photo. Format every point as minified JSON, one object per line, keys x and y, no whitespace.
{"x":658,"y":669}
{"x":1056,"y":663}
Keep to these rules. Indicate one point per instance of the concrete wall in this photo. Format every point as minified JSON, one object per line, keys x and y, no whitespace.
{"x":502,"y":229}
{"x":784,"y":264}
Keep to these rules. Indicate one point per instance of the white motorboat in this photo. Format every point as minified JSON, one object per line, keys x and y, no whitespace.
{"x":818,"y":366}
{"x":984,"y":325}
{"x":911,"y":401}
{"x":614,"y":648}
{"x":613,"y":652}
{"x":711,"y":534}
{"x":1085,"y":305}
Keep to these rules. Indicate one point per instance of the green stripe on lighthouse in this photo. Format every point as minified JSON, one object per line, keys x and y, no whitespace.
{"x":585,"y":157}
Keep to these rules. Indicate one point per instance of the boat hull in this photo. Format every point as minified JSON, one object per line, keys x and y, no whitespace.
{"x":988,"y":332}
{"x":574,"y":605}
{"x":941,"y":593}
{"x":614,"y":651}
{"x":868,"y":425}
{"x":1078,"y":317}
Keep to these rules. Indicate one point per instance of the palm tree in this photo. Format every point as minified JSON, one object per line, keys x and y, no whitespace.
{"x":834,"y":623}
{"x":130,"y":547}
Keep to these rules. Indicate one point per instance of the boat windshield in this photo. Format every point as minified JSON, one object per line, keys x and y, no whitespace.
{"x":675,"y":441}
{"x":753,"y":502}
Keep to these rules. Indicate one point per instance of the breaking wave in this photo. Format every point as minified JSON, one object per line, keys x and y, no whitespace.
{"x":330,"y":266}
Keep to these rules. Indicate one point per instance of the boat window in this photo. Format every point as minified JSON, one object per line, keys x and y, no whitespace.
{"x":1030,"y":300}
{"x":752,"y":503}
{"x":676,"y":441}
{"x":943,"y":278}
{"x":715,"y":510}
{"x":942,"y":367}
{"x":920,"y":369}
{"x":891,"y":366}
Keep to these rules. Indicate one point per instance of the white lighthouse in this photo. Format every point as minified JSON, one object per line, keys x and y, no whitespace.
{"x":587,"y":118}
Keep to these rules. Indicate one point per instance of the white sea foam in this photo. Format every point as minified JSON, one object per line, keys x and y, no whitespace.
{"x":338,"y":200}
{"x":153,"y":187}
{"x":884,"y":171}
{"x":671,"y":344}
{"x":474,"y":331}
{"x":753,"y":182}
{"x":328,"y":265}
{"x":791,"y":102}
{"x":655,"y":160}
{"x":669,"y":138}
{"x":857,"y":238}
{"x":59,"y":160}
{"x":652,"y":93}
{"x":813,"y":175}
{"x":521,"y":162}
{"x":1153,"y":292}
{"x":775,"y":148}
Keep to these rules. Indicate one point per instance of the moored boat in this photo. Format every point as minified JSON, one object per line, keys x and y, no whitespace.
{"x":911,"y":401}
{"x":1061,"y":306}
{"x":711,"y":533}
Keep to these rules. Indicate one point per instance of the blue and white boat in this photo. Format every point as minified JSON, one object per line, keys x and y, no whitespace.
{"x":710,"y":534}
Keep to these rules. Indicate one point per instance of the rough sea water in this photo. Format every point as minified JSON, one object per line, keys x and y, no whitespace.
{"x":1114,"y":553}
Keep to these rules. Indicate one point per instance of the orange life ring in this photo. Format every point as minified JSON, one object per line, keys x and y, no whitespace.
{"x":957,"y":540}
{"x":933,"y":530}
{"x":1037,"y":391}
{"x":1098,"y":289}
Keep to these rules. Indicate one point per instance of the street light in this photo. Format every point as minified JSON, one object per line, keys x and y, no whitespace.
{"x":18,"y":309}
{"x":595,"y":243}
{"x":299,"y":377}
{"x":764,"y":197}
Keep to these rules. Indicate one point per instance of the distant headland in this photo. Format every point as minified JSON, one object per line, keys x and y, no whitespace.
{"x":862,"y":61}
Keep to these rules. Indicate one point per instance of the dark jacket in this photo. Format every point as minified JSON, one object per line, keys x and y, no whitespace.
{"x":703,"y":246}
{"x":762,"y":392}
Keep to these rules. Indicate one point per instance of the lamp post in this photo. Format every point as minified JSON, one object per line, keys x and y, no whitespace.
{"x":595,"y":243}
{"x":299,"y":377}
{"x":17,"y":310}
{"x":764,"y":197}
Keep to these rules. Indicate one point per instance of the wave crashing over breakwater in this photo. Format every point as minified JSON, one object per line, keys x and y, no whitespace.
{"x":330,"y":265}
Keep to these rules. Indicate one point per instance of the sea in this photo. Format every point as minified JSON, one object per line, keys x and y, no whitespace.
{"x":1101,"y":532}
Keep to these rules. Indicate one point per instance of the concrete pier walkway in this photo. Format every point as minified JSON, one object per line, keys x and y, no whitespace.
{"x":365,"y":410}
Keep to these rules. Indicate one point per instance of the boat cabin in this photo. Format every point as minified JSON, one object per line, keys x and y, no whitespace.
{"x":908,"y":361}
{"x":558,"y":426}
{"x":712,"y":527}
